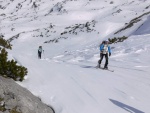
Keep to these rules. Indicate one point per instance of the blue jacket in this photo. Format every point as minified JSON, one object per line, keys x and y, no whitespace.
{"x":102,"y":47}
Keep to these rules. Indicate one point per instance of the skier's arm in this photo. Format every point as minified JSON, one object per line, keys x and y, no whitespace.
{"x":109,"y":50}
{"x":101,"y":47}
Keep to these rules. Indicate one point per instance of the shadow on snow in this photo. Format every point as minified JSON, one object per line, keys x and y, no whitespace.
{"x":126,"y":107}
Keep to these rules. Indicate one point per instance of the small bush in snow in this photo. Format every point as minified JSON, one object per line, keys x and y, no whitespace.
{"x":10,"y":68}
{"x":116,"y":40}
{"x":5,"y":43}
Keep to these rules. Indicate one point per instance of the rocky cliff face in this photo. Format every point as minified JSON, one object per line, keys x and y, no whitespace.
{"x":16,"y":99}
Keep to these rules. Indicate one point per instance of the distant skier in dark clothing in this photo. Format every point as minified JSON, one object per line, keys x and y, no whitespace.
{"x":104,"y":52}
{"x":39,"y":52}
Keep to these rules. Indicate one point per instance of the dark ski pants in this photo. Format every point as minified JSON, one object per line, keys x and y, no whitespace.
{"x":106,"y":59}
{"x":39,"y":54}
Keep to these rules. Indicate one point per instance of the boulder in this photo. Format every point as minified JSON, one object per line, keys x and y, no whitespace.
{"x":14,"y":98}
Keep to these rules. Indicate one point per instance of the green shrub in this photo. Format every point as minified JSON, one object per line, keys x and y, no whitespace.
{"x":10,"y":68}
{"x":116,"y":40}
{"x":2,"y":108}
{"x":1,"y":99}
{"x":4,"y":43}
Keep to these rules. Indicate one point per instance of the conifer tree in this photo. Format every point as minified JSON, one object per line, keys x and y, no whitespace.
{"x":10,"y":68}
{"x":5,"y":43}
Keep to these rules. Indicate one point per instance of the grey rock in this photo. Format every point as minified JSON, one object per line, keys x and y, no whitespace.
{"x":2,"y":103}
{"x":11,"y":103}
{"x":6,"y":111}
{"x":15,"y":96}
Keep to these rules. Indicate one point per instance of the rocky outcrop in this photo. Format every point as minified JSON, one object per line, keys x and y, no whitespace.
{"x":16,"y":99}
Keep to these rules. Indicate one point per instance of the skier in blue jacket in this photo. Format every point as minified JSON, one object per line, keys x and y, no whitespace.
{"x":104,"y":52}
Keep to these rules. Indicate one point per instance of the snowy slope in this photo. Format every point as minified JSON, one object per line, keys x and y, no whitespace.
{"x":144,"y":28}
{"x":70,"y":32}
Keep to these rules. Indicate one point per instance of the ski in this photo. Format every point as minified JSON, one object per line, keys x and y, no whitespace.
{"x":108,"y":69}
{"x":104,"y":69}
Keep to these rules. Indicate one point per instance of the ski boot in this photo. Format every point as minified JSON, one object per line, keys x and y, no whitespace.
{"x":106,"y":67}
{"x":98,"y":66}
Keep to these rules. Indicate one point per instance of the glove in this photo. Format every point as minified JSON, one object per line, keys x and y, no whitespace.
{"x":109,"y":54}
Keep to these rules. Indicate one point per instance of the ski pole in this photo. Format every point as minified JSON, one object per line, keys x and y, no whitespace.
{"x":43,"y":54}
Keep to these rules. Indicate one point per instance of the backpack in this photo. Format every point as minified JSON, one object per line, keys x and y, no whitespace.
{"x":105,"y":49}
{"x":40,"y":49}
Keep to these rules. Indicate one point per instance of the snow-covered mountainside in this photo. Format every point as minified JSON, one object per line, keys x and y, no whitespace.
{"x":70,"y":32}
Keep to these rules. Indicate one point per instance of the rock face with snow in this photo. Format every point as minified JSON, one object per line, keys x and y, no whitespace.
{"x":14,"y":98}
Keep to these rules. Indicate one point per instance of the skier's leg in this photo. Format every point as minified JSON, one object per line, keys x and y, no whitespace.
{"x":106,"y":61}
{"x":40,"y":55}
{"x":101,"y":58}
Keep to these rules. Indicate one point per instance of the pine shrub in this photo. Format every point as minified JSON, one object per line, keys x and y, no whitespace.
{"x":10,"y":68}
{"x":4,"y":43}
{"x":116,"y":40}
